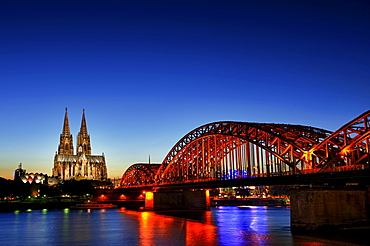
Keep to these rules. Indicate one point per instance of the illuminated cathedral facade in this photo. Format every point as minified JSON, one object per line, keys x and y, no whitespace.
{"x":81,"y":165}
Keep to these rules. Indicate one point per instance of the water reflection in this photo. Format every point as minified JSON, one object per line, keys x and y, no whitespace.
{"x":198,"y":233}
{"x":156,"y":229}
{"x":236,"y":226}
{"x":220,"y":226}
{"x":146,"y":235}
{"x":174,"y":228}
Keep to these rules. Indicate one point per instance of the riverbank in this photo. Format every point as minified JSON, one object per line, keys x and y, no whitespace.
{"x":13,"y":206}
{"x":38,"y":205}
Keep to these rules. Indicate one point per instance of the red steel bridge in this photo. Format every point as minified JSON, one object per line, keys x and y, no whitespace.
{"x":242,"y":153}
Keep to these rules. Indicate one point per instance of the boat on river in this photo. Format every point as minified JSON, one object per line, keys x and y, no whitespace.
{"x":93,"y":205}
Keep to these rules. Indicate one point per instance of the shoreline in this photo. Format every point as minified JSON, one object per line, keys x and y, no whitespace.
{"x":10,"y":206}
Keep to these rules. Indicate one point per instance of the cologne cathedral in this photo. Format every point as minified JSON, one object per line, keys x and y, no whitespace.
{"x":81,"y":165}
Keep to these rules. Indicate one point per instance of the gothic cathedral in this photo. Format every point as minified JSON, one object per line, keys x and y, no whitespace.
{"x":83,"y":165}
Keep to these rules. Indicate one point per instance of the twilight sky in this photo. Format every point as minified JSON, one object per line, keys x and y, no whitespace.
{"x":149,"y":72}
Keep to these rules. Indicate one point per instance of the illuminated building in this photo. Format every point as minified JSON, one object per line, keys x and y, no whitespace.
{"x":21,"y":174}
{"x":81,"y":165}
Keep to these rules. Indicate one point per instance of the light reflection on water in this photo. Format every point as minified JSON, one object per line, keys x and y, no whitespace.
{"x":220,"y":226}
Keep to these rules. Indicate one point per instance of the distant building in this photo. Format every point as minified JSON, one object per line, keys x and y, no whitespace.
{"x":21,"y":174}
{"x":81,"y":165}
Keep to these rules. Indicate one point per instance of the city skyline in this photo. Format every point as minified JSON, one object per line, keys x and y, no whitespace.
{"x":147,"y":73}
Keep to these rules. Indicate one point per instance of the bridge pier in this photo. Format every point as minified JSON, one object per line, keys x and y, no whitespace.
{"x":177,"y":200}
{"x":317,"y":208}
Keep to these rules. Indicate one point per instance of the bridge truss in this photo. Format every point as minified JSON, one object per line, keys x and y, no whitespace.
{"x":234,"y":150}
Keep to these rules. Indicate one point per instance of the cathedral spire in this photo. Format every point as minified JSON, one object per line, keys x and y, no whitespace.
{"x":66,"y":130}
{"x":83,"y":138}
{"x":83,"y":129}
{"x":66,"y":142}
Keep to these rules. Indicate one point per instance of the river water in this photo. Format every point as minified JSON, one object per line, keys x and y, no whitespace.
{"x":254,"y":225}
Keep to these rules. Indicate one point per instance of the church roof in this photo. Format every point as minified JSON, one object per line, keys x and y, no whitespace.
{"x":75,"y":158}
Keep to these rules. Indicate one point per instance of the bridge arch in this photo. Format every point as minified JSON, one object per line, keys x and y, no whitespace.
{"x":139,"y":174}
{"x":224,"y":150}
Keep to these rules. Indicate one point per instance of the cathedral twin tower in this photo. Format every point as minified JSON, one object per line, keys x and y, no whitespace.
{"x":81,"y":165}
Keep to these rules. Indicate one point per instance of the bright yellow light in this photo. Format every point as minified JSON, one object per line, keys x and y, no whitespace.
{"x":149,"y":200}
{"x":344,"y":152}
{"x":149,"y":195}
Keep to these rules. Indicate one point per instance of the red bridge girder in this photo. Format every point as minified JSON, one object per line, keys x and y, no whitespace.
{"x":347,"y":146}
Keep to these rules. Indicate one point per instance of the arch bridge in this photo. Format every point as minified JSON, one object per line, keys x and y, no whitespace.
{"x":227,"y":150}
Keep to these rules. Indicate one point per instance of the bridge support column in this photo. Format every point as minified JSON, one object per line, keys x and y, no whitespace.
{"x":177,"y":200}
{"x":315,"y":208}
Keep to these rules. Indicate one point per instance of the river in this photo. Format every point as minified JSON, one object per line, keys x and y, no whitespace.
{"x":253,"y":225}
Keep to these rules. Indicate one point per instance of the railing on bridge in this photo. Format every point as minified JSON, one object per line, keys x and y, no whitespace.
{"x":237,"y":150}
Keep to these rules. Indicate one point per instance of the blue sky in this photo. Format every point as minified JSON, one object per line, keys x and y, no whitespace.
{"x":149,"y":72}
